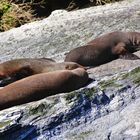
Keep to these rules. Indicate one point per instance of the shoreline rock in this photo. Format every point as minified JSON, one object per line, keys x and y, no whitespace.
{"x":108,"y":108}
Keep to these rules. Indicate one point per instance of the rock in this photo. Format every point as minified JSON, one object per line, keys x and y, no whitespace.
{"x":107,"y":108}
{"x":67,"y":30}
{"x":99,"y":112}
{"x":115,"y":66}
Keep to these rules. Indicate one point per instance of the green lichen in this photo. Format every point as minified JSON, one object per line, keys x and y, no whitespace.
{"x":5,"y":123}
{"x":81,"y":136}
{"x":70,"y":96}
{"x":85,"y":133}
{"x":109,"y":83}
{"x":40,"y":109}
{"x":134,"y":75}
{"x":75,"y":95}
{"x":89,"y":92}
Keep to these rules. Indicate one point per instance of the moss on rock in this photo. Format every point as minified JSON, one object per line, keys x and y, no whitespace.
{"x":133,"y":75}
{"x":5,"y":123}
{"x":90,"y":92}
{"x":40,"y":109}
{"x":109,"y":83}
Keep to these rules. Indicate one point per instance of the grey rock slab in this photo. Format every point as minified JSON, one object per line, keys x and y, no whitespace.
{"x":107,"y":109}
{"x":63,"y":30}
{"x":114,"y":67}
{"x":88,"y":113}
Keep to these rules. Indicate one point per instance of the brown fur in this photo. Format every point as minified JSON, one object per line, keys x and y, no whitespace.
{"x":106,"y":48}
{"x":42,"y":85}
{"x":13,"y":70}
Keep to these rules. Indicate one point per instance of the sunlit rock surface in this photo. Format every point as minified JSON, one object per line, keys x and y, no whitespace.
{"x":63,"y":30}
{"x":105,"y":109}
{"x":108,"y":108}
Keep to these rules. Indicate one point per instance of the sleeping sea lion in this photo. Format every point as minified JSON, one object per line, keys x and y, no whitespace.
{"x":106,"y":48}
{"x":42,"y":85}
{"x":16,"y":69}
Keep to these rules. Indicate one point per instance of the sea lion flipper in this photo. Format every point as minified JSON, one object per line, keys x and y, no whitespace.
{"x":129,"y":56}
{"x":119,"y":49}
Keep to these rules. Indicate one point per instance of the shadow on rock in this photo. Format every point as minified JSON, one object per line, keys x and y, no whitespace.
{"x":101,"y":99}
{"x":19,"y":132}
{"x":81,"y":108}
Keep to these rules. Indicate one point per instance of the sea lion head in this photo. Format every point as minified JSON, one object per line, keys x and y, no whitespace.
{"x":8,"y":75}
{"x":134,"y":37}
{"x":82,"y":74}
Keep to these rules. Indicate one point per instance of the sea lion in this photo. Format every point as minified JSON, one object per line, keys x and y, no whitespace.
{"x":42,"y":85}
{"x":16,"y":69}
{"x":106,"y":48}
